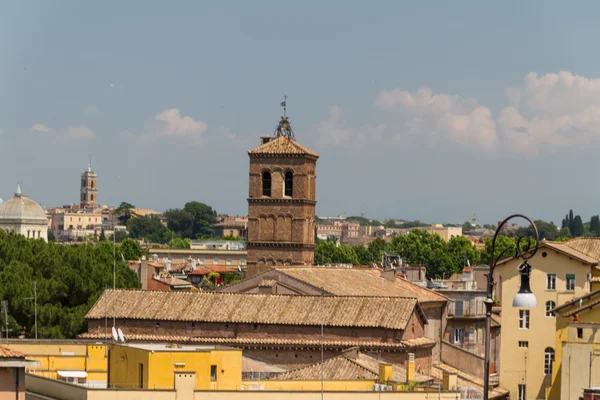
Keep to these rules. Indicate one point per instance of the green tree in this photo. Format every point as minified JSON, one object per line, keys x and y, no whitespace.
{"x":51,"y":237}
{"x":102,"y":235}
{"x":577,"y":229}
{"x":149,"y":228}
{"x":178,"y":243}
{"x":466,"y":227}
{"x":420,"y":247}
{"x":462,"y":249}
{"x":203,"y":219}
{"x":376,"y":248}
{"x":130,"y":250}
{"x":231,"y":237}
{"x":564,"y":233}
{"x":327,"y":252}
{"x":363,"y":255}
{"x":546,"y":230}
{"x":69,"y":279}
{"x":180,"y":222}
{"x":595,"y":225}
{"x":124,"y":212}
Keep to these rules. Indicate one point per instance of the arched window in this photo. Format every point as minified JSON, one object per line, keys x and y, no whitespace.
{"x":266,"y":183}
{"x":289,"y":184}
{"x":92,"y":197}
{"x":548,"y":360}
{"x":550,"y":305}
{"x":92,"y":184}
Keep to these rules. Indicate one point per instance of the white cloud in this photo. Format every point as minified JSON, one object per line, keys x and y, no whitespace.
{"x":333,"y":132}
{"x":546,"y":114}
{"x":461,"y":120}
{"x":40,"y":128}
{"x":552,"y":113}
{"x":80,"y":132}
{"x":177,"y":126}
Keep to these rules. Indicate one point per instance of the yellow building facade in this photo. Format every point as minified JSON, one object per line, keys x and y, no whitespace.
{"x":529,"y":351}
{"x":578,"y":347}
{"x":67,"y":357}
{"x":173,"y":366}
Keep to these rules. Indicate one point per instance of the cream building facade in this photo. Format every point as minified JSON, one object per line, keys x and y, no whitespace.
{"x":24,"y":216}
{"x":559,"y":273}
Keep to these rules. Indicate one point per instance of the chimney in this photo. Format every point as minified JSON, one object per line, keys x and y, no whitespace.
{"x":410,"y":368}
{"x":144,"y":273}
{"x":265,"y":139}
{"x":449,"y":381}
{"x":385,"y":373}
{"x":389,"y":274}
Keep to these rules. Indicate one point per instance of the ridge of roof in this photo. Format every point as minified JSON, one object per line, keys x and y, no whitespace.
{"x":423,"y":342}
{"x":334,"y":366}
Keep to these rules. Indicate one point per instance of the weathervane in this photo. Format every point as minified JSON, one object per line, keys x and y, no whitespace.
{"x":284,"y":128}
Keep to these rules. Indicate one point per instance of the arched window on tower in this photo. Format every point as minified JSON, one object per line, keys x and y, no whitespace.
{"x":548,"y":360}
{"x":92,"y":197}
{"x":289,"y":184}
{"x":266,"y":183}
{"x":92,"y":184}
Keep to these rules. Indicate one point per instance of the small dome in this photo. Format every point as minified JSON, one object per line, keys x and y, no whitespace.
{"x":22,"y":207}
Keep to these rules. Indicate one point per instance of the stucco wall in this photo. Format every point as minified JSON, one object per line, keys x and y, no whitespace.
{"x":526,"y":365}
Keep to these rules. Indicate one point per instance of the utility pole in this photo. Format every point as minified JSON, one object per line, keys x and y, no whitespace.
{"x":34,"y":298}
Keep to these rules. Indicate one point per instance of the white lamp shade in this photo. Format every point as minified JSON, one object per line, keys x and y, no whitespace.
{"x":524,"y":300}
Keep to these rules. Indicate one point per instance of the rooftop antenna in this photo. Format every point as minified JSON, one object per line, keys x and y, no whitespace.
{"x":90,"y":163}
{"x":284,"y":105}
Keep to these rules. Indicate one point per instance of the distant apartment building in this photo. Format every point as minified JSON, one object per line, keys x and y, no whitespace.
{"x":445,"y":232}
{"x":328,"y":229}
{"x":231,"y":226}
{"x":234,"y":258}
{"x":340,"y":217}
{"x":350,"y":230}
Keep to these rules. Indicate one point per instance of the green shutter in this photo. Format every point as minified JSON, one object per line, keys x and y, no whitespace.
{"x":570,"y":276}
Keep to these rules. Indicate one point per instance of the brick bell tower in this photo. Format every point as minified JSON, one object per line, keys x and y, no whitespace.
{"x":281,"y":202}
{"x":89,"y":188}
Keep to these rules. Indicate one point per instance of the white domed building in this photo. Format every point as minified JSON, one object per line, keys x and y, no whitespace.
{"x":24,"y":216}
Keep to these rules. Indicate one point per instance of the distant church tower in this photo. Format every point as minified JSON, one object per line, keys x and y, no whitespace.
{"x":281,"y":202}
{"x":89,"y":188}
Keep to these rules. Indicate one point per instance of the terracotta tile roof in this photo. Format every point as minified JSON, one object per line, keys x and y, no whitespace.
{"x":6,"y":352}
{"x":589,"y":246}
{"x":335,"y":369}
{"x":267,"y":283}
{"x":360,"y":282}
{"x":280,"y":146}
{"x":384,"y":312}
{"x":573,"y":250}
{"x":172,"y":281}
{"x":425,"y":342}
{"x":221,"y":269}
{"x":200,"y":271}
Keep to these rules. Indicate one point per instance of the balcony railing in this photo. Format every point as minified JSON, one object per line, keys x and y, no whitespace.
{"x":466,"y":309}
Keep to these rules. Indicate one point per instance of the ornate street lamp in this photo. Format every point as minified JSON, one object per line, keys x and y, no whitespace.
{"x":524,"y":250}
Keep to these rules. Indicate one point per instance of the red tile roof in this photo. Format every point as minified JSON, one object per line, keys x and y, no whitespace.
{"x":384,"y":312}
{"x":6,"y":352}
{"x":282,"y":145}
{"x":360,"y":282}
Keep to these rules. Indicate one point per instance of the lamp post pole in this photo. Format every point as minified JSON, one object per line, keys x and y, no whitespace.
{"x":517,"y":252}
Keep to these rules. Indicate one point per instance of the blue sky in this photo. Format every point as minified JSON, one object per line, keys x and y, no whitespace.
{"x":420,"y":110}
